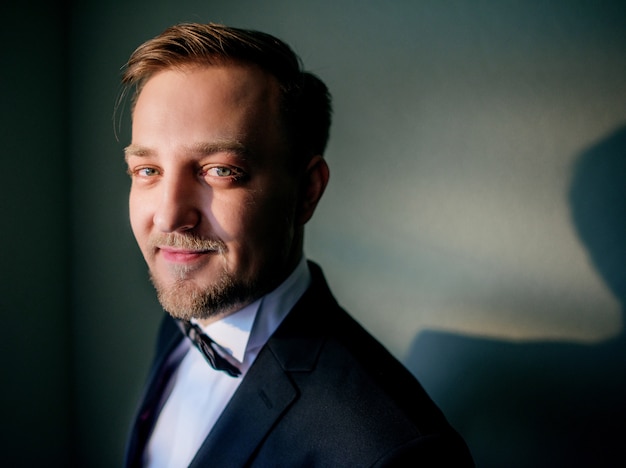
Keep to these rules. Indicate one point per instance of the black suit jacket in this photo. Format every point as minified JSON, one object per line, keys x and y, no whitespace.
{"x":322,"y":392}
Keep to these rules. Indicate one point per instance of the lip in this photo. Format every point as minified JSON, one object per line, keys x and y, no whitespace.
{"x":175,"y":255}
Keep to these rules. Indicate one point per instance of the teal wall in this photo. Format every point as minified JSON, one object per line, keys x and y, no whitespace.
{"x":474,"y":220}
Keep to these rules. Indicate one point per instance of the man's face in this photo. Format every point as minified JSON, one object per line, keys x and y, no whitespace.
{"x":213,"y":203}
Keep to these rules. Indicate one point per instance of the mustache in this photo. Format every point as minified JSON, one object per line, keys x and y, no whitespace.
{"x":187,"y":242}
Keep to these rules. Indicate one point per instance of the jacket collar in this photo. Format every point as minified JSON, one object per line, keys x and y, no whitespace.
{"x":268,"y":390}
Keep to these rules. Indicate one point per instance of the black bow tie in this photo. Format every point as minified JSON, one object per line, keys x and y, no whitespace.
{"x":209,"y":348}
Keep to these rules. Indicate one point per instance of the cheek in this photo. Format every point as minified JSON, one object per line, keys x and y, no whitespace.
{"x":243,"y":223}
{"x":274,"y":218}
{"x":256,"y":220}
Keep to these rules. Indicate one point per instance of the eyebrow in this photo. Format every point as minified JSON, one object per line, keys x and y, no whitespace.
{"x":136,"y":150}
{"x":203,"y":149}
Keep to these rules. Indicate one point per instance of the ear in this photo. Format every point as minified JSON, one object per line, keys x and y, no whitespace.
{"x":314,"y":181}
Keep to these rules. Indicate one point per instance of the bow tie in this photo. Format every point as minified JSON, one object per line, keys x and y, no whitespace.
{"x":212,"y":352}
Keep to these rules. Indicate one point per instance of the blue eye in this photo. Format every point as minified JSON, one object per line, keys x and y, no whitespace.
{"x":223,"y":171}
{"x":147,"y":172}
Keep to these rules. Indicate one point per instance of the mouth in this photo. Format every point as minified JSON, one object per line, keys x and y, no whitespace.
{"x":176,"y":255}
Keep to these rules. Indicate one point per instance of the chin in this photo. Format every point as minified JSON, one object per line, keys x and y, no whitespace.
{"x":185,"y":299}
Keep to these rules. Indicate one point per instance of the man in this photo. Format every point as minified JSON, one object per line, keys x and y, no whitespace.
{"x":226,"y":164}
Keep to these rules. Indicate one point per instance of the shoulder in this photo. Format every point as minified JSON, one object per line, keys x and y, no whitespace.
{"x":355,"y":400}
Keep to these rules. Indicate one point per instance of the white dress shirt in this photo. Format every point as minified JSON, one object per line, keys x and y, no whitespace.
{"x":198,"y":394}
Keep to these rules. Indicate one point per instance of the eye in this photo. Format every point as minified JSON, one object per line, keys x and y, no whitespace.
{"x":224,"y":172}
{"x":147,"y":172}
{"x":143,"y":172}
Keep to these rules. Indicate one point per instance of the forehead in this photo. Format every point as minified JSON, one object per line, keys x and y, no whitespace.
{"x":200,"y":104}
{"x":234,"y":81}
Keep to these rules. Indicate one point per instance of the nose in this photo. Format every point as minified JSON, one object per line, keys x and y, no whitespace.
{"x":177,"y":210}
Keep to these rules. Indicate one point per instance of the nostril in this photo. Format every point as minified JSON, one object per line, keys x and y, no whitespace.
{"x":176,"y":218}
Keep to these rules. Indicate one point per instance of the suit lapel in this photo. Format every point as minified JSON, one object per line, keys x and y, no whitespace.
{"x":264,"y":395}
{"x":268,"y":390}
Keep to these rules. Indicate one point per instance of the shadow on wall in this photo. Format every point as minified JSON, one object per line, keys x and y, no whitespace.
{"x":546,"y":404}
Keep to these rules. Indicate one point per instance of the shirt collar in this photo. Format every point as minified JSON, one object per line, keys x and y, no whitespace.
{"x":249,"y":329}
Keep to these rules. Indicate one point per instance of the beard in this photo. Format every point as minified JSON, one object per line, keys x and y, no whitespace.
{"x":184,"y":299}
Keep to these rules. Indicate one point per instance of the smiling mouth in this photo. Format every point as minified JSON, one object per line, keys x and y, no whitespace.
{"x":175,"y":255}
{"x":185,"y":249}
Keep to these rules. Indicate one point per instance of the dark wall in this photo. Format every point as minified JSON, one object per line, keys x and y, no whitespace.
{"x":34,"y":237}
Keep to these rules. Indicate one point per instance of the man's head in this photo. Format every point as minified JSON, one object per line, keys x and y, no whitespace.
{"x":304,"y":99}
{"x":226,"y":164}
